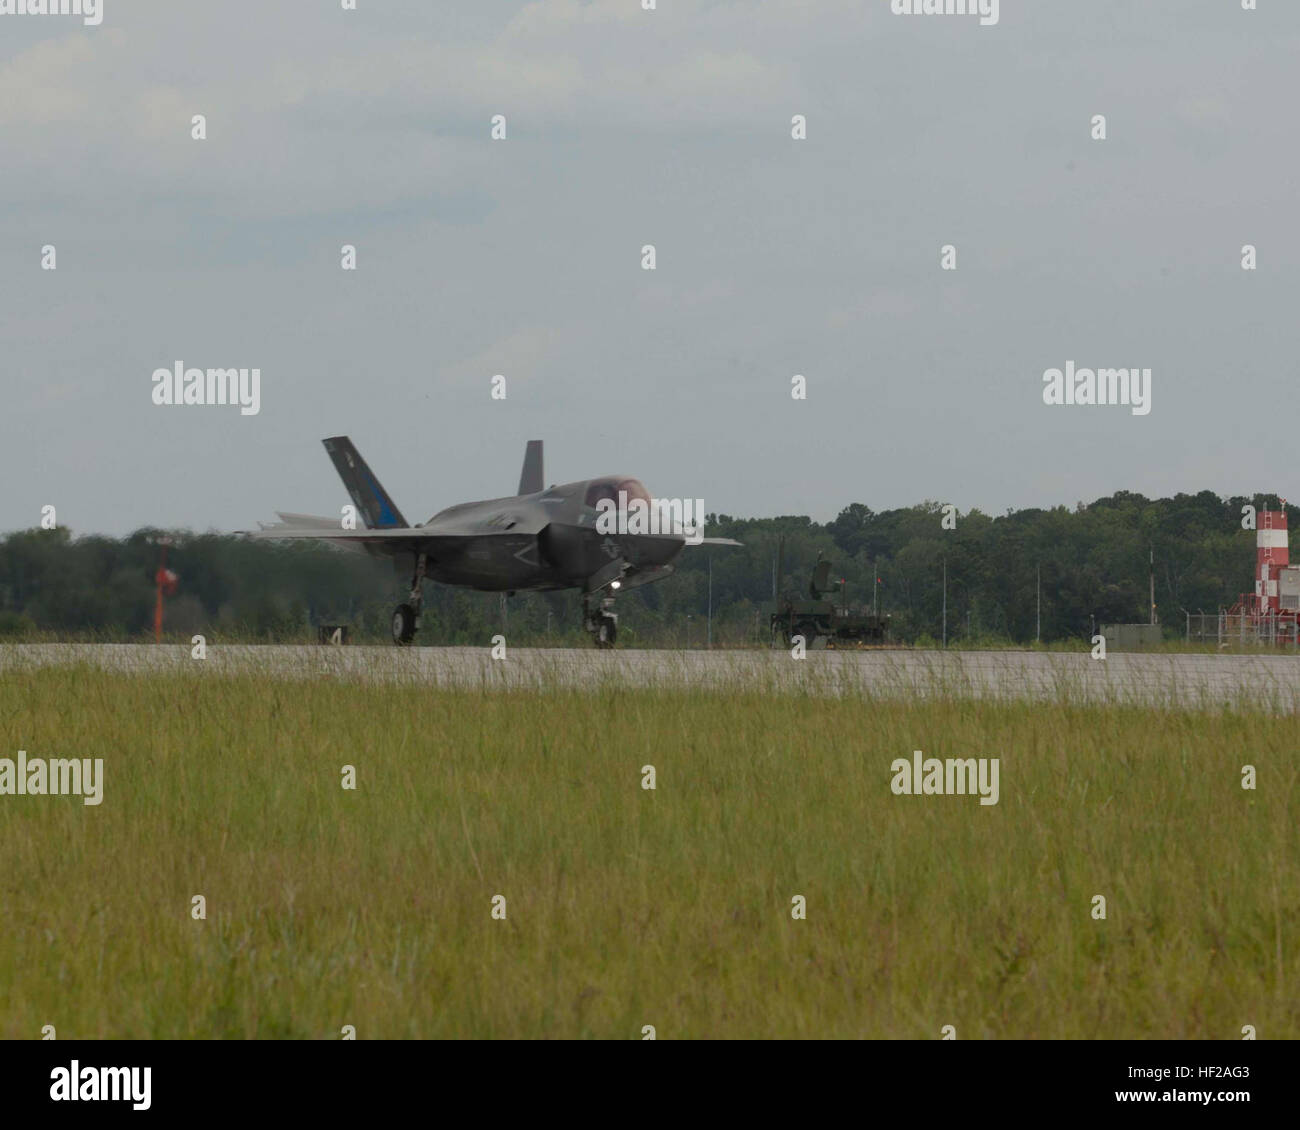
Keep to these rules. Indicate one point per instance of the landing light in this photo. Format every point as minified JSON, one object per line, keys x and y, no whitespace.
{"x":616,"y":584}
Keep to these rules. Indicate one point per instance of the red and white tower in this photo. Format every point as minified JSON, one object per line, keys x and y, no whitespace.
{"x":1272,"y":555}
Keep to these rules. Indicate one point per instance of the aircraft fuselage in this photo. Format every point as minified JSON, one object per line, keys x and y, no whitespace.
{"x":536,"y":542}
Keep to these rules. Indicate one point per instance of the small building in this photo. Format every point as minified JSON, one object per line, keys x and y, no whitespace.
{"x":1131,"y":637}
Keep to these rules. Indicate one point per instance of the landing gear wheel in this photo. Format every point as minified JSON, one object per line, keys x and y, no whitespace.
{"x":403,"y":624}
{"x":600,"y":623}
{"x":606,"y":630}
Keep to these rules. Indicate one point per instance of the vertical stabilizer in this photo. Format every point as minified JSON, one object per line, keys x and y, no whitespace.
{"x":377,"y":510}
{"x":530,"y":478}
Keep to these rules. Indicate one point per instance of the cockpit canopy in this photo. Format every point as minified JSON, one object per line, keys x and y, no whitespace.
{"x":611,"y":487}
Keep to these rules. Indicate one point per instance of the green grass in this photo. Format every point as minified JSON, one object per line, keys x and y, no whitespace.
{"x":627,"y":907}
{"x":727,"y":637}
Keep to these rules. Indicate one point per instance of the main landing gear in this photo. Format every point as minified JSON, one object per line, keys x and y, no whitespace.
{"x":406,"y":617}
{"x":599,"y":621}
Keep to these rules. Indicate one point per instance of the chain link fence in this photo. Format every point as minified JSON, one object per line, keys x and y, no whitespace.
{"x":1228,"y":629}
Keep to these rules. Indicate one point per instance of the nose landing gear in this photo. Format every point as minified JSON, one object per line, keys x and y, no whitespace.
{"x":600,"y":622}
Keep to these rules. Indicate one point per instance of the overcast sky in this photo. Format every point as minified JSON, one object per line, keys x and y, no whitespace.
{"x":522,"y":257}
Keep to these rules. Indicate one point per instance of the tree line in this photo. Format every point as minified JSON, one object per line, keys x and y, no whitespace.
{"x":1088,"y":565}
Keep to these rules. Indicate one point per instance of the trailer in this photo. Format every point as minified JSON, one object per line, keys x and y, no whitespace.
{"x":820,"y":618}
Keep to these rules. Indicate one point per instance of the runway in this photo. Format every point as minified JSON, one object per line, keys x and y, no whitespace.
{"x":1251,"y":682}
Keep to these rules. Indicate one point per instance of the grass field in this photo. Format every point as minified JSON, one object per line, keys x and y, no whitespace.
{"x":627,"y":907}
{"x":572,"y":636}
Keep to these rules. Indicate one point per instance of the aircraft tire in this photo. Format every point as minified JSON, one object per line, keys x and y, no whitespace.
{"x":403,"y":624}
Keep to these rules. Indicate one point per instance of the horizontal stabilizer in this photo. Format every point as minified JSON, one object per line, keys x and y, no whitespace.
{"x":289,"y":521}
{"x":336,"y":533}
{"x":310,"y":526}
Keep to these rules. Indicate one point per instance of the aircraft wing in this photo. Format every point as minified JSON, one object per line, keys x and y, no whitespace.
{"x":408,"y":539}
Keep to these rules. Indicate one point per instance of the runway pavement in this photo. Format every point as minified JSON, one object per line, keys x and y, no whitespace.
{"x":1258,"y":682}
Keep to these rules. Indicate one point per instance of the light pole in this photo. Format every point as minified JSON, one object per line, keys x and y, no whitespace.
{"x":1151,"y":576}
{"x":945,"y":602}
{"x":955,"y":581}
{"x":709,"y":630}
{"x":165,"y":580}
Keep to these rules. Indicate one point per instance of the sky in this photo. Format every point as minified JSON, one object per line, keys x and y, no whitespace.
{"x":774,"y":257}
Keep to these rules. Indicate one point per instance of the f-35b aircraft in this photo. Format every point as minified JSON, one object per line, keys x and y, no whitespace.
{"x":539,"y":539}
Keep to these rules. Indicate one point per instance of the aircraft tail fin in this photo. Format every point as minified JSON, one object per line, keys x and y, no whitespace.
{"x":530,"y":478}
{"x":377,"y":509}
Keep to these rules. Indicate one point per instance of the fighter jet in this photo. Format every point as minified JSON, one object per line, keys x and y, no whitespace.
{"x":542,"y":538}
